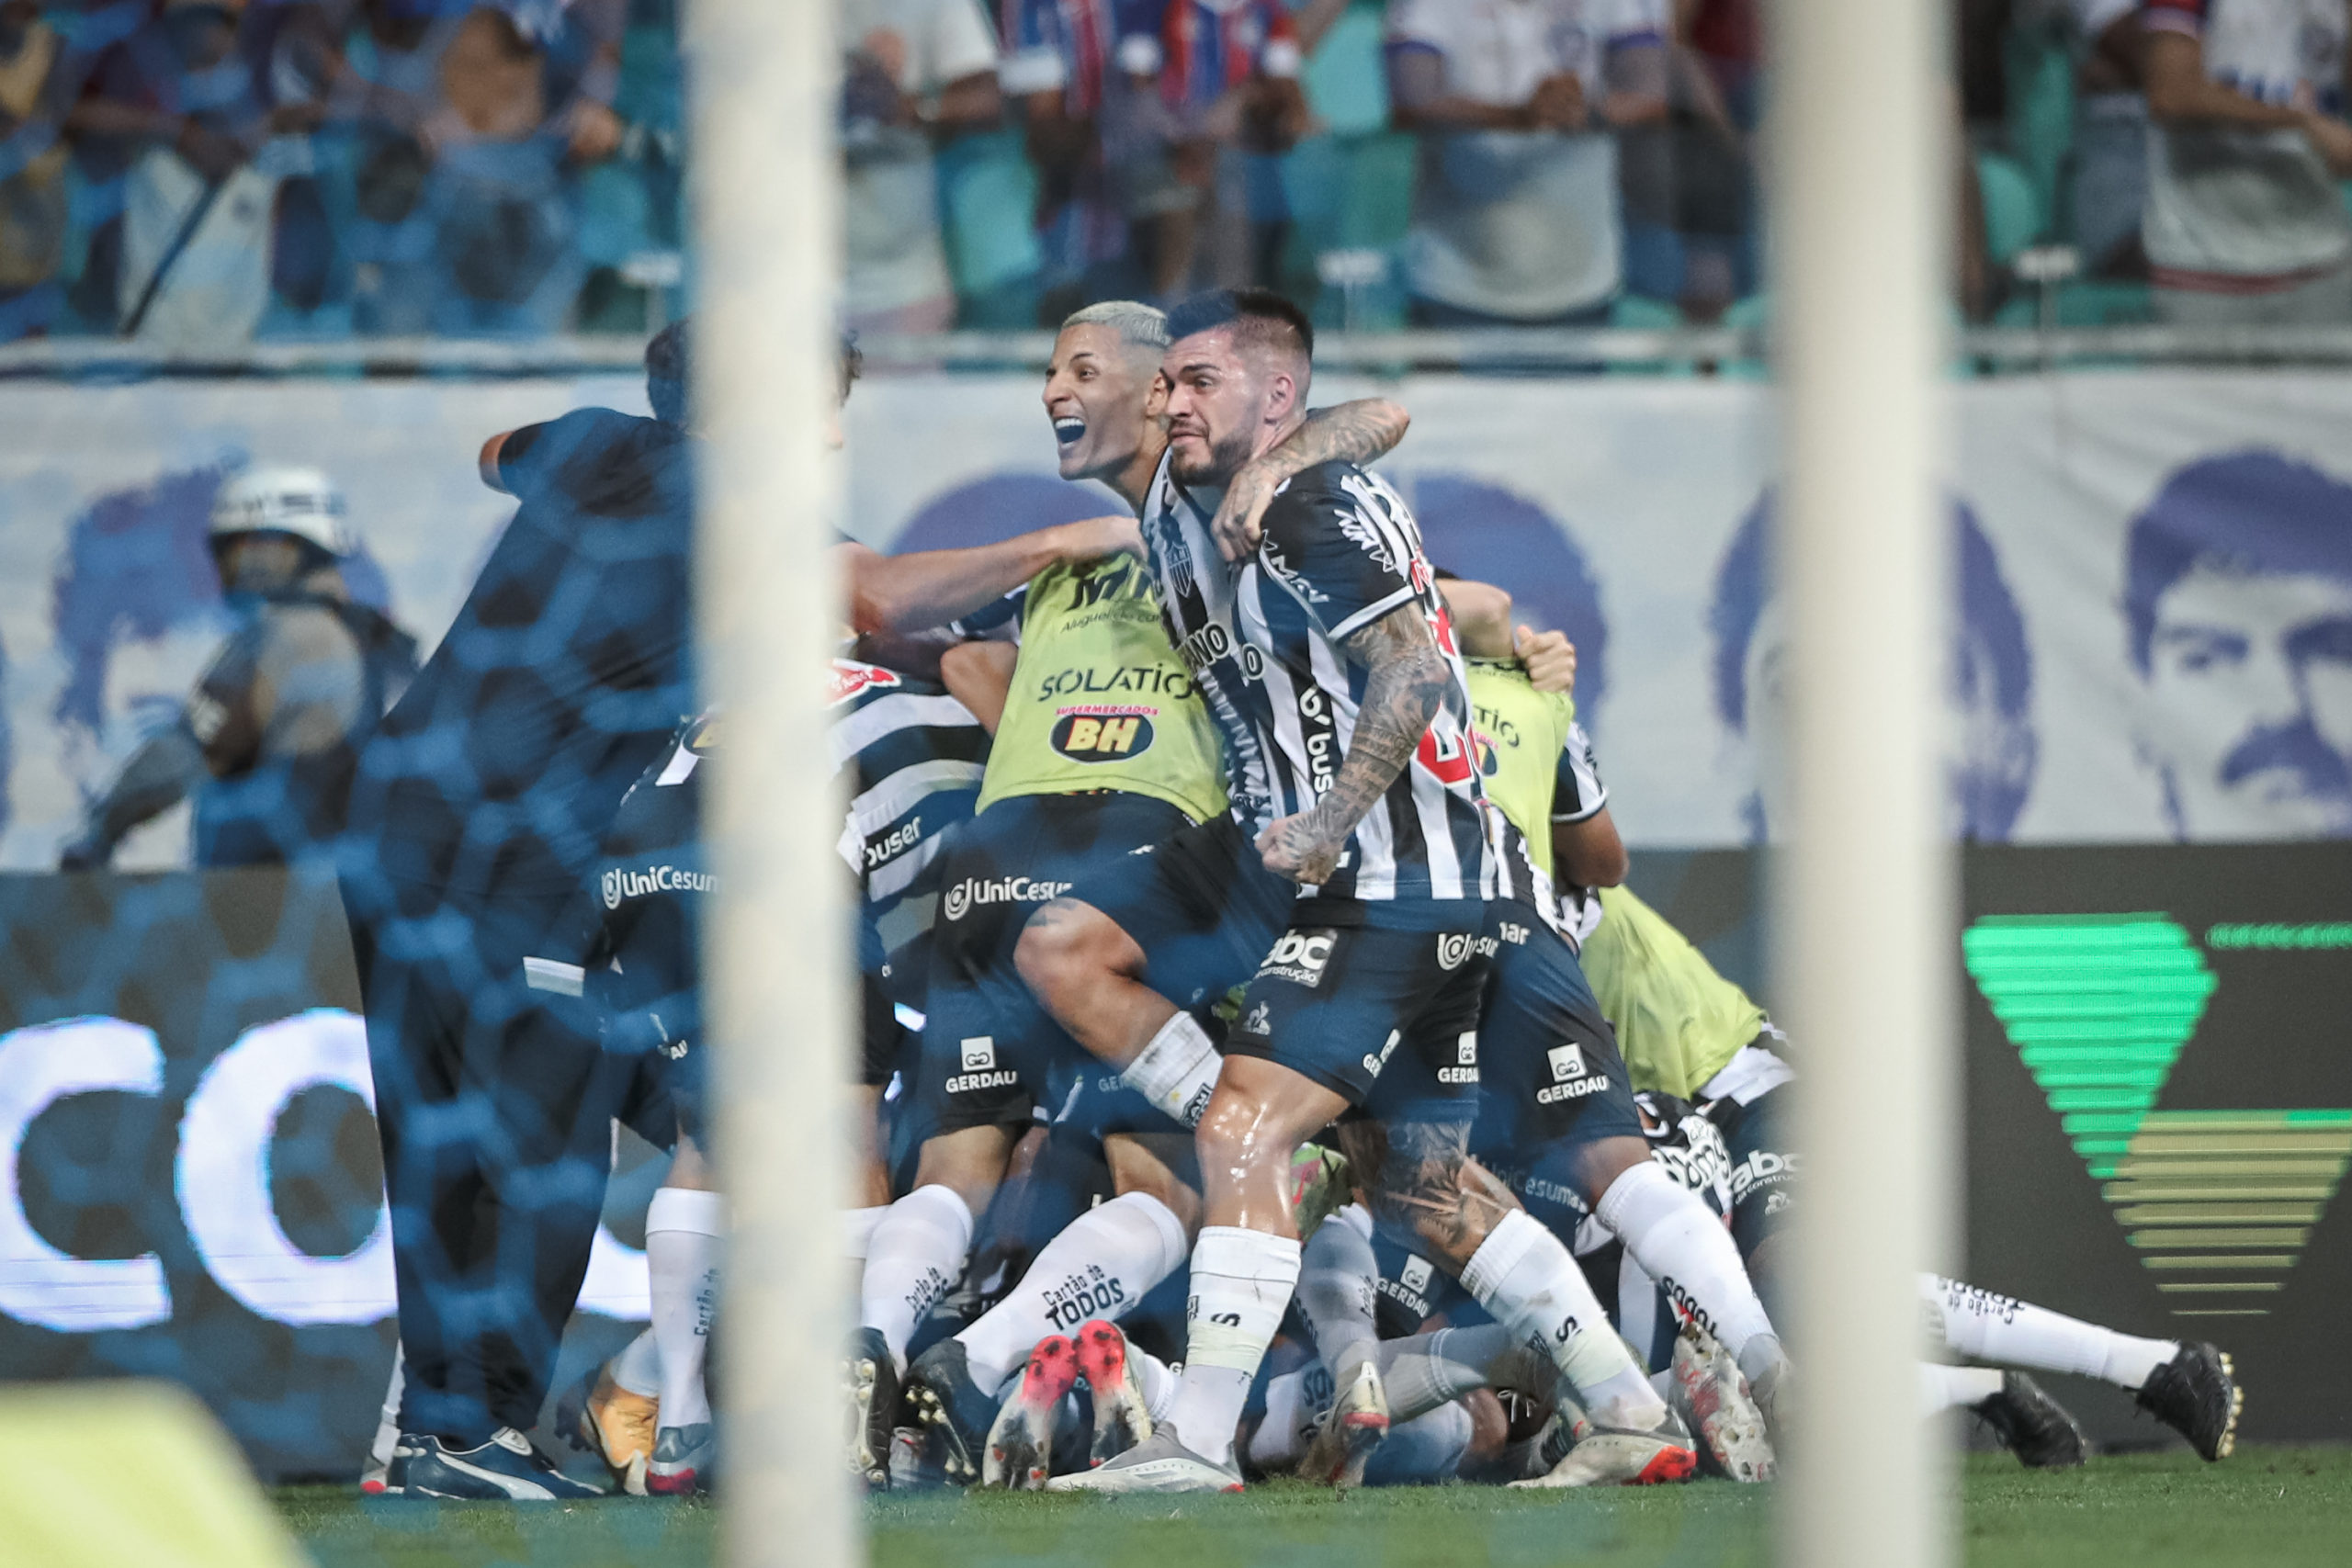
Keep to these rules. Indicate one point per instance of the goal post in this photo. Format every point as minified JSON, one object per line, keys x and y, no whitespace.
{"x":766,"y":198}
{"x":1864,"y":888}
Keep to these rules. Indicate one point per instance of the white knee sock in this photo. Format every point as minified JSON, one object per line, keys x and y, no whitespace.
{"x":1177,"y":1072}
{"x":1103,"y":1263}
{"x":914,"y":1256}
{"x":1680,"y":1243}
{"x":388,"y":1426}
{"x":1523,"y":1276}
{"x":2016,"y":1334}
{"x":1159,"y":1381}
{"x":1944,"y":1388}
{"x":857,"y":1230}
{"x":683,"y":1233}
{"x":1424,"y":1371}
{"x":638,"y":1366}
{"x":1288,"y":1426}
{"x":1241,"y":1281}
{"x":1338,"y":1282}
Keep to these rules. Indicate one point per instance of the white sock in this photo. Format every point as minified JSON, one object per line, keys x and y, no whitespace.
{"x":1988,"y":1327}
{"x":1241,"y":1281}
{"x":1523,"y":1276}
{"x":914,"y":1256}
{"x":1281,"y":1440}
{"x":1336,"y":1286}
{"x":1177,"y":1072}
{"x":388,"y":1426}
{"x":638,"y":1366}
{"x":1424,"y":1371}
{"x":1680,"y":1243}
{"x":1103,"y":1263}
{"x":1945,"y":1388}
{"x":1160,"y":1381}
{"x":683,"y":1233}
{"x":857,"y":1230}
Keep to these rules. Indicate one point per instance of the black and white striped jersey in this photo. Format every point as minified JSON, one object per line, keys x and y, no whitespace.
{"x":915,"y":757}
{"x":1513,"y":869}
{"x":1340,"y":551}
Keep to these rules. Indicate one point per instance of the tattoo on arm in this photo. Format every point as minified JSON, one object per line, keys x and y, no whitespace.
{"x":1351,"y":432}
{"x":1408,"y":686}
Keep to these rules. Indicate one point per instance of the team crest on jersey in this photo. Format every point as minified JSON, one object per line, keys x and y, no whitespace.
{"x":1097,"y":734}
{"x":702,"y":739}
{"x":1484,"y":752}
{"x":848,"y":678}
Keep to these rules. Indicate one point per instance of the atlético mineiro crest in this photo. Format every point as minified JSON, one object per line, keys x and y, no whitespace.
{"x":848,"y":678}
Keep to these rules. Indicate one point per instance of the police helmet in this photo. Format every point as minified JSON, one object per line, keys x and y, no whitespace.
{"x":300,"y":502}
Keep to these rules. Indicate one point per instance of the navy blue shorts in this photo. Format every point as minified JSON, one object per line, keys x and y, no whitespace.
{"x":1763,"y":1167}
{"x":1201,"y":905}
{"x":1386,"y":1018}
{"x":1551,"y":1071}
{"x":1412,"y":1288}
{"x":990,"y":1055}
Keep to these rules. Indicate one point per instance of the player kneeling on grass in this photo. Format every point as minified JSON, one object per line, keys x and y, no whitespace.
{"x":1686,"y":1031}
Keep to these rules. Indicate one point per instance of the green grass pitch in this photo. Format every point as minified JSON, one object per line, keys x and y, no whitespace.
{"x":2279,"y":1507}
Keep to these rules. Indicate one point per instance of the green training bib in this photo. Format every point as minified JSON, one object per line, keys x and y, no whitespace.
{"x":1099,"y":699}
{"x":1677,"y":1021}
{"x":1521,"y":734}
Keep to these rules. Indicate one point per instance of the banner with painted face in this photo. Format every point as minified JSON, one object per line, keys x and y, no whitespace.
{"x":2152,"y":571}
{"x":2150,"y":579}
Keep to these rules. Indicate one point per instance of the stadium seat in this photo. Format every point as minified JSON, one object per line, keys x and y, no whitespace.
{"x":2014,"y":215}
{"x":1642,"y":313}
{"x":987,"y":193}
{"x":2039,"y":70}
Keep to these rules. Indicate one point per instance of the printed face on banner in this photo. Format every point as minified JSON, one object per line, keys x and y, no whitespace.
{"x":2238,"y":604}
{"x":1989,"y":745}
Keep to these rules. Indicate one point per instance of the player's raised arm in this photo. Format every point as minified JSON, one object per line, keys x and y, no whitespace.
{"x":930,"y":588}
{"x":1350,"y":432}
{"x":1406,"y":678}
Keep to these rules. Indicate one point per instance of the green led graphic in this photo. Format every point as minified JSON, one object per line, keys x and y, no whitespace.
{"x":2099,"y":1007}
{"x":2219,"y":1204}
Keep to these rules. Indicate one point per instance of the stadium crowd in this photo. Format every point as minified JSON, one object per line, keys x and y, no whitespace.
{"x":208,"y":171}
{"x":1263,"y":1069}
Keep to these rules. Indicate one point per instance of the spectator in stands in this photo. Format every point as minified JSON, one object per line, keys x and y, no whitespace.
{"x":1228,"y":92}
{"x":169,"y":123}
{"x":1058,"y":72}
{"x":472,"y":121}
{"x":2110,"y":151}
{"x":917,"y":70}
{"x":1687,"y":182}
{"x":2237,"y":600}
{"x":1515,"y":217}
{"x":32,"y":172}
{"x":2245,"y":221}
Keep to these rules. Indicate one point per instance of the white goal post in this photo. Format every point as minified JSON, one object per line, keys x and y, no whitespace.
{"x":1861,"y":187}
{"x":766,"y":195}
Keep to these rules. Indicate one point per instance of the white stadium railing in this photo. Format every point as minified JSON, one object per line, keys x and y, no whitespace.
{"x":1994,"y":349}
